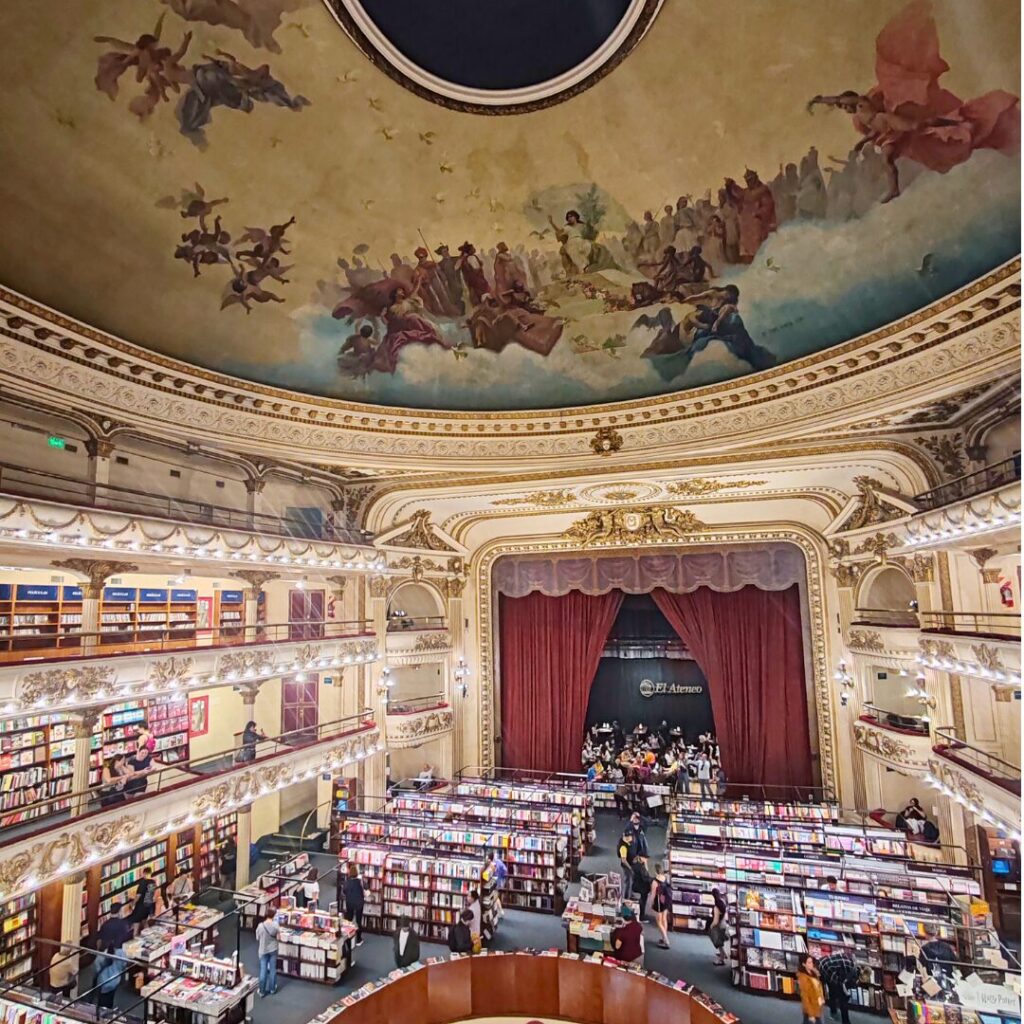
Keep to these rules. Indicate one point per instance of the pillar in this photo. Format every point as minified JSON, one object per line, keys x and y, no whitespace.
{"x":97,"y":572}
{"x":374,"y":774}
{"x":454,"y":745}
{"x":71,"y":909}
{"x":99,"y":452}
{"x":83,"y":723}
{"x":243,"y":842}
{"x":257,"y":580}
{"x":253,"y":490}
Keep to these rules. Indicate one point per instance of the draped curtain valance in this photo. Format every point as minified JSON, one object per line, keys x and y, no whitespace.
{"x":770,"y":566}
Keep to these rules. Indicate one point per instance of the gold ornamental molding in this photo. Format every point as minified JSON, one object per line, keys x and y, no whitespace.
{"x":644,"y":524}
{"x":412,"y":730}
{"x":433,"y":642}
{"x":893,"y":750}
{"x":865,"y":640}
{"x":816,"y":635}
{"x":954,"y":343}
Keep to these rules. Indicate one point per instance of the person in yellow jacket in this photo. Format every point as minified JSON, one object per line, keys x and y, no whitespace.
{"x":812,"y":995}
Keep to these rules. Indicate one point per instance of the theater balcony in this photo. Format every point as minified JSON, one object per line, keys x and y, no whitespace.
{"x":66,"y":681}
{"x":980,"y":781}
{"x":897,"y":741}
{"x":411,"y":722}
{"x":58,"y":837}
{"x":416,"y":623}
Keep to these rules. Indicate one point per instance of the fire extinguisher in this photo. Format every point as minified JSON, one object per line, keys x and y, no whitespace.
{"x":1006,"y":592}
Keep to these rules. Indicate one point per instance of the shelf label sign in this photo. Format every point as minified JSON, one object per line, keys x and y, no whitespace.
{"x":72,"y":593}
{"x":29,"y":592}
{"x":231,"y":597}
{"x":153,"y":596}
{"x":183,"y":595}
{"x":118,"y":593}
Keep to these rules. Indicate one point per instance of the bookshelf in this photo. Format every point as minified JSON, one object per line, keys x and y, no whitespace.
{"x":231,"y":613}
{"x":184,"y":853}
{"x":119,"y":877}
{"x":18,"y":927}
{"x":212,"y":834}
{"x":167,"y":718}
{"x":272,"y":886}
{"x":536,"y":862}
{"x":344,"y":797}
{"x":431,"y":888}
{"x":314,"y":945}
{"x":30,"y":615}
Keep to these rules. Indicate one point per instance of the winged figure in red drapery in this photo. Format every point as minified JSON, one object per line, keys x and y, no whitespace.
{"x":909,"y":115}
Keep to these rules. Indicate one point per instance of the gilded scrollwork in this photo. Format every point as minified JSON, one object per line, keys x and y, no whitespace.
{"x":170,"y":673}
{"x":410,"y":730}
{"x":866,"y":640}
{"x":433,"y":641}
{"x":61,"y":685}
{"x":887,"y":747}
{"x":642,"y":524}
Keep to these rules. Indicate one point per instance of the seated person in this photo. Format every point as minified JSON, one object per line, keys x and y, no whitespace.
{"x":628,"y":938}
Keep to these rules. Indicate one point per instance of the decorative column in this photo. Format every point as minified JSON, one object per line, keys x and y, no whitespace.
{"x":257,"y":580}
{"x":452,"y":746}
{"x":374,"y":775}
{"x":249,"y":692}
{"x":97,"y":572}
{"x":84,"y":724}
{"x":99,"y":452}
{"x":242,"y":842}
{"x":253,"y":489}
{"x":71,"y":910}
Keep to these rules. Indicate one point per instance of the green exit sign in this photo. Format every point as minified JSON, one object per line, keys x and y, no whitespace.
{"x":55,"y":442}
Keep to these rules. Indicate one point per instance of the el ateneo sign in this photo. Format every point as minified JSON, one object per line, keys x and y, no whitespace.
{"x":650,"y":688}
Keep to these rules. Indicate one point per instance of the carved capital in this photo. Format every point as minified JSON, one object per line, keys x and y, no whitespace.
{"x":98,"y":571}
{"x":845,"y":575}
{"x":979,"y":556}
{"x":255,"y":486}
{"x":990,"y":575}
{"x":256,"y":578}
{"x":453,"y":586}
{"x":378,"y":586}
{"x":99,"y":448}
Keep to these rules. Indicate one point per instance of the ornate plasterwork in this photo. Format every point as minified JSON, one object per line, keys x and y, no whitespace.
{"x":871,"y":507}
{"x":418,"y":533}
{"x":700,"y":486}
{"x":97,"y":571}
{"x":987,"y":657}
{"x":823,"y":695}
{"x":433,"y":641}
{"x":170,"y":673}
{"x":964,"y":338}
{"x":642,"y":524}
{"x":606,"y":441}
{"x":28,"y":864}
{"x":892,"y":749}
{"x":865,"y":640}
{"x":54,"y":686}
{"x":965,"y":523}
{"x":545,"y":499}
{"x":412,"y":730}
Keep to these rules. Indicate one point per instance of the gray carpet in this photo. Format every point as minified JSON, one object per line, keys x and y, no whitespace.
{"x":690,"y":956}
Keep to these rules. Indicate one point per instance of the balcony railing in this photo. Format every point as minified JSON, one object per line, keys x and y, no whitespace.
{"x":896,"y":721}
{"x":968,"y":486}
{"x":25,"y":482}
{"x":413,"y":705}
{"x":401,"y":623}
{"x":901,"y":617}
{"x":998,"y":625}
{"x":48,"y":643}
{"x":999,"y":772}
{"x":30,"y":819}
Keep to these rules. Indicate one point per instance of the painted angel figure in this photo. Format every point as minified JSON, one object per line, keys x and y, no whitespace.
{"x":909,"y":114}
{"x":157,"y":66}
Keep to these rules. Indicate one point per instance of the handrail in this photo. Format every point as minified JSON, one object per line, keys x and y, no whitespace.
{"x":171,"y":637}
{"x":970,"y":484}
{"x":399,"y":623}
{"x":978,"y":623}
{"x":108,"y":497}
{"x":896,"y":720}
{"x":1002,"y":773}
{"x":885,"y":617}
{"x":414,"y":704}
{"x":96,"y":799}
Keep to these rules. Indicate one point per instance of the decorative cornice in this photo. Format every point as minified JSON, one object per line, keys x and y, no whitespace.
{"x":631,"y":525}
{"x":412,"y":730}
{"x":892,"y":749}
{"x":433,"y":641}
{"x":950,"y":345}
{"x":865,"y":640}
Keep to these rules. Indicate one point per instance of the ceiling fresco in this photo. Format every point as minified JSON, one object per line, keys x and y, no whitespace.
{"x":233,"y":184}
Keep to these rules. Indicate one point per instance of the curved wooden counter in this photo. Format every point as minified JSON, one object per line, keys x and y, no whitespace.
{"x":528,"y":985}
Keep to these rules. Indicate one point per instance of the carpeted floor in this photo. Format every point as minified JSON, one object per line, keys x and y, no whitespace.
{"x":690,"y":956}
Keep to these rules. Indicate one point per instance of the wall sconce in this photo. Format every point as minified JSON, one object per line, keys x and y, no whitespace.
{"x":921,"y":695}
{"x":461,"y":676}
{"x":846,"y":683}
{"x":385,"y":684}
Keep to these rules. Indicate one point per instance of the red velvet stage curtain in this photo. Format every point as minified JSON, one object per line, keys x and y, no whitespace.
{"x":749,"y":645}
{"x":550,"y":648}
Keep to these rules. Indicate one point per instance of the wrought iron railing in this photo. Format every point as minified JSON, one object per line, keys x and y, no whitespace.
{"x":971,"y":484}
{"x":897,"y":720}
{"x":1003,"y":773}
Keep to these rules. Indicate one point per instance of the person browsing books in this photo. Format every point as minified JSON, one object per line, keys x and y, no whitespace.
{"x":716,"y":927}
{"x":641,"y":883}
{"x":407,"y":943}
{"x":311,"y":889}
{"x":839,"y":972}
{"x":628,"y":938}
{"x":266,"y":944}
{"x":812,"y":996}
{"x":352,"y":892}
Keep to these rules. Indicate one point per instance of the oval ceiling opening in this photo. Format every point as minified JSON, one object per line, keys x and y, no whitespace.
{"x":508,"y":56}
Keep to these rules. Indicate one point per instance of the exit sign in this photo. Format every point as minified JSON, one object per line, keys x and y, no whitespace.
{"x":55,"y":442}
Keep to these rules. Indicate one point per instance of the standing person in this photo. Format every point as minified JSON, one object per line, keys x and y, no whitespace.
{"x":228,"y":863}
{"x":63,"y":970}
{"x":628,"y":938}
{"x":115,"y":931}
{"x":636,"y":827}
{"x":661,"y":903}
{"x":145,"y":738}
{"x":716,"y":928}
{"x":115,"y":776}
{"x":627,"y":851}
{"x":353,"y":895}
{"x":460,"y":937}
{"x":812,"y":997}
{"x":140,"y":763}
{"x":179,"y":890}
{"x":641,"y":883}
{"x":407,"y":943}
{"x":838,"y":971}
{"x":474,"y":906}
{"x":938,"y":955}
{"x":721,"y":783}
{"x":266,"y":944}
{"x":108,"y":977}
{"x":704,"y":776}
{"x":311,"y":888}
{"x":145,"y":899}
{"x":250,"y":737}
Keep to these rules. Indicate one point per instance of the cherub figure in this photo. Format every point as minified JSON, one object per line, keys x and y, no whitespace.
{"x":201,"y":247}
{"x":265,"y":242}
{"x":246,"y":287}
{"x":157,"y":66}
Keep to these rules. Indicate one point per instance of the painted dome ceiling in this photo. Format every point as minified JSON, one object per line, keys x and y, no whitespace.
{"x":689,"y":197}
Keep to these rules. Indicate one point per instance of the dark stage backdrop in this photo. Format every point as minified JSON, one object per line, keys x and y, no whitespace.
{"x":617,"y":693}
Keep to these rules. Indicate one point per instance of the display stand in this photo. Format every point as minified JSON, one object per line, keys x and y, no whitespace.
{"x":590,"y":918}
{"x":208,"y":990}
{"x":270,"y":888}
{"x":314,"y":945}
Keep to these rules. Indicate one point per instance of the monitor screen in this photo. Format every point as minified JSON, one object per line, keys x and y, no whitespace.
{"x":1000,"y":866}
